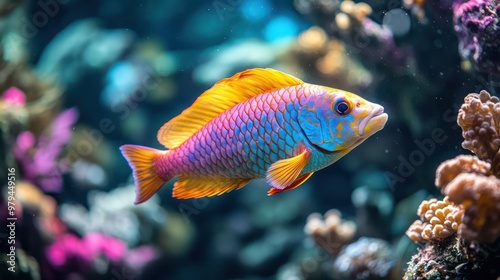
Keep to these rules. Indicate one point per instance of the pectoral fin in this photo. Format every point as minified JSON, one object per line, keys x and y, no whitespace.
{"x":299,"y":181}
{"x":283,"y":173}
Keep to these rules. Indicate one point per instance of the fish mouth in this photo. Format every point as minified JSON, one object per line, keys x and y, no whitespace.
{"x":374,"y":122}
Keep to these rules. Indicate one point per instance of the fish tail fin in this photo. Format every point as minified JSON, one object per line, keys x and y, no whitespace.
{"x":147,"y":180}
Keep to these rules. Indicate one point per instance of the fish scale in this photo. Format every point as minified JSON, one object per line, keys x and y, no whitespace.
{"x":242,"y":155}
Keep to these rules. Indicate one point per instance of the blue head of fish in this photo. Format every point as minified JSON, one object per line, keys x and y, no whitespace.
{"x":336,"y":120}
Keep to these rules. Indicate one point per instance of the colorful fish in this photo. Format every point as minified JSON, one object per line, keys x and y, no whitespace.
{"x":259,"y":123}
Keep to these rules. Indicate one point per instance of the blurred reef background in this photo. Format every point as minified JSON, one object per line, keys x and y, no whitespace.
{"x":419,"y":200}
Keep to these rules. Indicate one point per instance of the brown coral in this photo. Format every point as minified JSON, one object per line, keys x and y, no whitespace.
{"x":449,"y":169}
{"x":479,"y":118}
{"x":439,"y":219}
{"x":479,"y":195}
{"x":330,"y":232}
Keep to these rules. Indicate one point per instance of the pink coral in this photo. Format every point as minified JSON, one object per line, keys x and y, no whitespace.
{"x":14,"y":97}
{"x":84,"y":251}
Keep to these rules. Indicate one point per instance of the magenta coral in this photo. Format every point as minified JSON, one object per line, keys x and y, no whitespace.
{"x":14,"y":96}
{"x":71,"y":249}
{"x":39,"y":158}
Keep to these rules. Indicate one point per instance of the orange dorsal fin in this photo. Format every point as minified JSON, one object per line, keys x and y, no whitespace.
{"x":196,"y":187}
{"x":222,"y":96}
{"x":299,"y":181}
{"x":283,"y":173}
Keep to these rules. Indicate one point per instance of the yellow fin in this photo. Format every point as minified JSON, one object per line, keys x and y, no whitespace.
{"x":147,"y":181}
{"x":196,"y":187}
{"x":223,"y":95}
{"x":299,"y":181}
{"x":284,"y":172}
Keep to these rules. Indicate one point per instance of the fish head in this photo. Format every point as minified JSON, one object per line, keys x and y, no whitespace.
{"x":337,"y":120}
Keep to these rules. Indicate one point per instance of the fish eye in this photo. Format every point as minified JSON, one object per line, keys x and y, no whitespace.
{"x":342,"y":107}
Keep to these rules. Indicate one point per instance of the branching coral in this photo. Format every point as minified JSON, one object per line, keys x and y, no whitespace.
{"x":479,"y":195}
{"x":479,"y":118}
{"x":448,"y":170}
{"x":471,"y":207}
{"x":472,"y":192}
{"x":439,"y":219}
{"x":330,"y":233}
{"x":468,"y":180}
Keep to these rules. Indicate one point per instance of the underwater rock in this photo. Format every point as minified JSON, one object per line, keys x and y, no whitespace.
{"x":477,"y":24}
{"x":454,"y":258}
{"x":367,"y":258}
